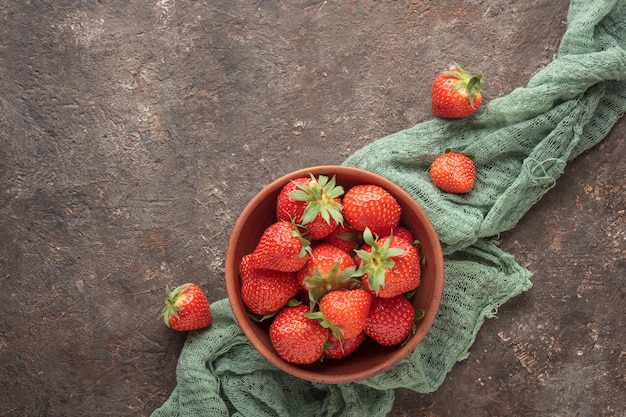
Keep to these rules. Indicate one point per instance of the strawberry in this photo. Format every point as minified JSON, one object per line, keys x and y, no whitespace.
{"x":456,"y":94}
{"x":453,"y":172}
{"x":281,"y":248}
{"x":389,"y":266}
{"x":312,"y":202}
{"x":339,"y":349}
{"x":265,"y":291}
{"x":344,"y":312}
{"x":391,"y":320}
{"x":371,"y":206}
{"x":297,"y":338}
{"x":186,"y":308}
{"x":345,"y":237}
{"x":328,"y":268}
{"x":402,"y":232}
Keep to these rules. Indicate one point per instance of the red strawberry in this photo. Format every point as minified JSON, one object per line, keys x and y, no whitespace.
{"x":339,"y":349}
{"x":391,"y":320}
{"x":453,"y":172}
{"x":313,"y":203}
{"x":403,"y":233}
{"x":456,"y":94}
{"x":265,"y":291}
{"x":187,"y":308}
{"x":328,"y":268}
{"x":296,"y":338}
{"x":281,"y":248}
{"x":344,"y":312}
{"x":389,"y":266}
{"x":345,"y":237}
{"x":373,"y":207}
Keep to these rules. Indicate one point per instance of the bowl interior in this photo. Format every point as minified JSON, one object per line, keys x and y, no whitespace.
{"x":370,"y":359}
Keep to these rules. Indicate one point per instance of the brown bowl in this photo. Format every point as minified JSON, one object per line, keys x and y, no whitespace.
{"x":371,"y":358}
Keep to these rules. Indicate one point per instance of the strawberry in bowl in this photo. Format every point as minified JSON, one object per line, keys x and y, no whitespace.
{"x":338,"y":282}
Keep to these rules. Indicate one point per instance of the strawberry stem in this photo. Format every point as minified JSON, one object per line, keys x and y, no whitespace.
{"x":304,"y":242}
{"x":171,"y":309}
{"x":376,"y":262}
{"x":323,"y":321}
{"x":320,"y":194}
{"x":321,"y":284}
{"x":472,"y":83}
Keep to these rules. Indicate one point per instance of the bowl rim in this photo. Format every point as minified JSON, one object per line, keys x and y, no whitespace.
{"x":246,"y":323}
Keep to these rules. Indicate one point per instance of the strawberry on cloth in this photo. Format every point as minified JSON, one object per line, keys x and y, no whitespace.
{"x":453,"y":172}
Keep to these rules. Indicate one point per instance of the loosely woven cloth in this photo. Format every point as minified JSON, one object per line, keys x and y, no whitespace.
{"x":521,"y":144}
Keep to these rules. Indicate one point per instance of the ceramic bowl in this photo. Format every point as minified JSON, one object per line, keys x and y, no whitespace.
{"x":371,"y":358}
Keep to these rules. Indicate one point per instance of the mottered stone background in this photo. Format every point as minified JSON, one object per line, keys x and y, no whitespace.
{"x":132,"y":133}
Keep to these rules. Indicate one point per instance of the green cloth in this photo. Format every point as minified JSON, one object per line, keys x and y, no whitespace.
{"x":521,"y":144}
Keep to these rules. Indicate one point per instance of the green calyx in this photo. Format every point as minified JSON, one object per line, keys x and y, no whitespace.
{"x":320,"y":284}
{"x":376,"y":262}
{"x":293,"y":302}
{"x":320,"y":195}
{"x":468,"y":155}
{"x":171,"y":296}
{"x":323,"y":321}
{"x":304,"y":242}
{"x":470,"y":82}
{"x":353,"y":237}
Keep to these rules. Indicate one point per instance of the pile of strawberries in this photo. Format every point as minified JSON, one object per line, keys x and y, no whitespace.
{"x":334,"y":269}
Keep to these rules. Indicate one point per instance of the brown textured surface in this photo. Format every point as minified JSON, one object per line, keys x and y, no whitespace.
{"x":133,"y":133}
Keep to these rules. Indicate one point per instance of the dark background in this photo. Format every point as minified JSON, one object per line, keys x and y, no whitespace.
{"x":132,"y":134}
